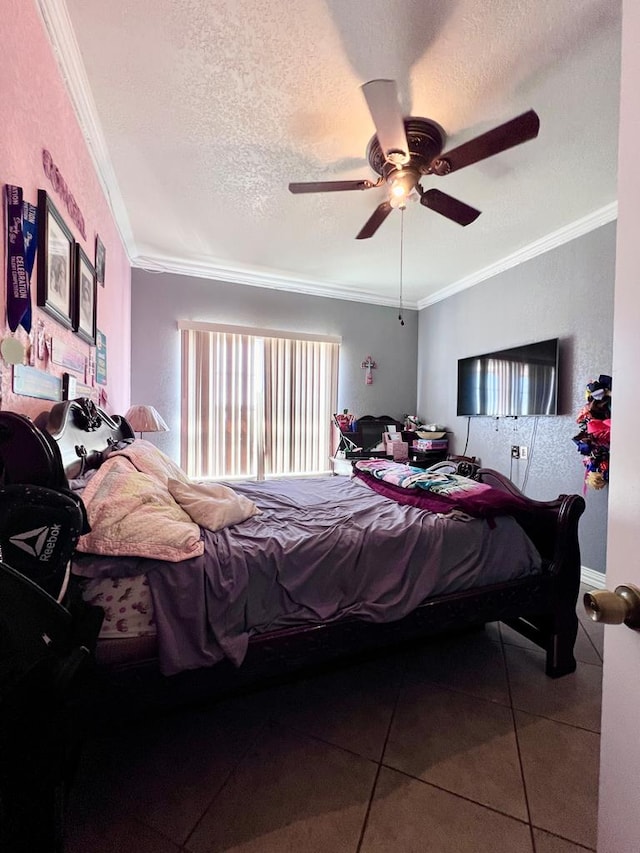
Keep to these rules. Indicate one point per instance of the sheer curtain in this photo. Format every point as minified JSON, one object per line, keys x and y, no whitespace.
{"x":256,"y":403}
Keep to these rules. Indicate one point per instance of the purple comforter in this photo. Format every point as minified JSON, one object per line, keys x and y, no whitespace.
{"x":322,"y":549}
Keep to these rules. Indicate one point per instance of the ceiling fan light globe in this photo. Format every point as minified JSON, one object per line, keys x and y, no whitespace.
{"x":402,"y":182}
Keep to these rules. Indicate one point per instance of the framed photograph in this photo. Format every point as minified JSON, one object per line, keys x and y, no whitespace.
{"x":69,"y":387}
{"x":56,"y":259}
{"x":101,"y":257}
{"x":84,"y":302}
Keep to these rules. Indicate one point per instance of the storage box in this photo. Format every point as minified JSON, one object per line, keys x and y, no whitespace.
{"x":395,"y":447}
{"x":430,"y":444}
{"x":400,"y":451}
{"x":390,"y":438}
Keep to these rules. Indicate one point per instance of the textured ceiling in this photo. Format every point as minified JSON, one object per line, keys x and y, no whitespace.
{"x":208,"y":108}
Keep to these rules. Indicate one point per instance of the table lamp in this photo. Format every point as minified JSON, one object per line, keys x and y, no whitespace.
{"x":145,"y":419}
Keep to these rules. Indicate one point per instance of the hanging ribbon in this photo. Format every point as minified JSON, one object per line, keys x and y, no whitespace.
{"x":30,"y":237}
{"x":22,"y":239}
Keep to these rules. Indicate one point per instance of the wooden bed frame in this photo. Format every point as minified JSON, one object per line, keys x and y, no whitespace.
{"x":71,"y":438}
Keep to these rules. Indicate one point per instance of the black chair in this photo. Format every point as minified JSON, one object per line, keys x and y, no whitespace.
{"x":45,"y":647}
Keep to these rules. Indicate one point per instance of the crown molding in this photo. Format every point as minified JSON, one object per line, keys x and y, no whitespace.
{"x":57,"y":22}
{"x":539,"y":247}
{"x":261,"y":278}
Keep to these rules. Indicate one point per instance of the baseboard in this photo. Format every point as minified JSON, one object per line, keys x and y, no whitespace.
{"x":592,"y":578}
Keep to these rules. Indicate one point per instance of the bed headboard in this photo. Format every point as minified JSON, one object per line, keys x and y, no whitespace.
{"x":82,"y":432}
{"x":58,"y":445}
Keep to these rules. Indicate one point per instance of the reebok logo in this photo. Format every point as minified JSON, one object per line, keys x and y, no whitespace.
{"x":39,"y":542}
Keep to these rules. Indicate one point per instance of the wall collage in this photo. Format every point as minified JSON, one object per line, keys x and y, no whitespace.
{"x":60,"y":353}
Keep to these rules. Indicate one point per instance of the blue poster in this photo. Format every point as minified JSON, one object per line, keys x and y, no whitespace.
{"x":101,"y":358}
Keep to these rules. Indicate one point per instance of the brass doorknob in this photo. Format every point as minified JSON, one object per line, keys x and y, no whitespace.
{"x":614,"y":608}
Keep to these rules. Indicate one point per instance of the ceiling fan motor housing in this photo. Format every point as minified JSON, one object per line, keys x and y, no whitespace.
{"x":425,"y":140}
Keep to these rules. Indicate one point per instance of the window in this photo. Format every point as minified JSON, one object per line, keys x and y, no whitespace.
{"x":256,"y":403}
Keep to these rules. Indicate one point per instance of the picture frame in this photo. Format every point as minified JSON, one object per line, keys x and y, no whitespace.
{"x":101,"y":258}
{"x":69,"y":386}
{"x":85,"y":297}
{"x":56,"y":262}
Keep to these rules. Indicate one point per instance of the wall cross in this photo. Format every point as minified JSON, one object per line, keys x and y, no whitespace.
{"x":368,"y":364}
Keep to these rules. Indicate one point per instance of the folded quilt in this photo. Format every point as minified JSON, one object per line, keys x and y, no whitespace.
{"x":410,"y":477}
{"x":435,"y":491}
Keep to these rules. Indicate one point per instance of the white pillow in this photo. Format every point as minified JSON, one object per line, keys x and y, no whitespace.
{"x":212,"y":505}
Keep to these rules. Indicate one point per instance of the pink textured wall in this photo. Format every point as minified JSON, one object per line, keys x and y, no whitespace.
{"x":37,"y":113}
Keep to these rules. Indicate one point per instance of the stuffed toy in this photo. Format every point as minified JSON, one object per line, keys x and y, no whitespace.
{"x":594,"y":420}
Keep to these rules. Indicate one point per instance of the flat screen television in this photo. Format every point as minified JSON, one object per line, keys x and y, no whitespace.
{"x":517,"y":382}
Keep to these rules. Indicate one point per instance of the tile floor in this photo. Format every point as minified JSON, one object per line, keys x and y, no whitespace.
{"x":460,"y":746}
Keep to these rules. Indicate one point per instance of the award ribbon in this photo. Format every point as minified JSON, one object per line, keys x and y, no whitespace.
{"x":18,"y":289}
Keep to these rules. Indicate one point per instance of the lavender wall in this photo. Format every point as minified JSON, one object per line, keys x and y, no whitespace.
{"x":160,"y":300}
{"x":566,"y":293}
{"x":37,"y":113}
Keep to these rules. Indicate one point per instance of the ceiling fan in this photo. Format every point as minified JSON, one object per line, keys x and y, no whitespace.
{"x":404,"y":149}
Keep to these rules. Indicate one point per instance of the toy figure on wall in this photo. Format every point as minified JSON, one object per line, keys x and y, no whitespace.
{"x":593,"y":439}
{"x":368,"y":364}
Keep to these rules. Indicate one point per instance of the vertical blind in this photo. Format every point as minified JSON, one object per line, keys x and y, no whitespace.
{"x":256,"y":405}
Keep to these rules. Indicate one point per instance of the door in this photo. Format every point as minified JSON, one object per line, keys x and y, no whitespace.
{"x":619,"y":810}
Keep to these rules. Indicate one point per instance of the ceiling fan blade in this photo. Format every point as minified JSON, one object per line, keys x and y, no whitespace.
{"x":507,"y":135}
{"x":382,"y":100}
{"x":450,"y":207}
{"x":331,"y":186}
{"x":374,"y":221}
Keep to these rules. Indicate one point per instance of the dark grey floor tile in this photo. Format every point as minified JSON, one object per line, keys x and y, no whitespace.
{"x":165,"y":771}
{"x":594,"y":630}
{"x":110,"y":830}
{"x":458,"y":742}
{"x":290,"y":793}
{"x":560,"y":765}
{"x":575,"y":698}
{"x":351,"y":707}
{"x":408,"y":816}
{"x":492,"y":630}
{"x":546,"y":843}
{"x":584,"y":650}
{"x":469,"y":662}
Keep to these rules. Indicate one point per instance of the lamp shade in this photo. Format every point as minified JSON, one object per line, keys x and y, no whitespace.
{"x":145,"y":419}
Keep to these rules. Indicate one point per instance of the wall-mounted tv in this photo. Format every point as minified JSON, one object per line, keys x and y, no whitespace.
{"x":517,"y":382}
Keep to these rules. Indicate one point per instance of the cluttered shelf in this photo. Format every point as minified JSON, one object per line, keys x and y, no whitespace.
{"x":384,"y":436}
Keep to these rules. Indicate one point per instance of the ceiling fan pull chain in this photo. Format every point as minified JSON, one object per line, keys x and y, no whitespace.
{"x":401,"y":254}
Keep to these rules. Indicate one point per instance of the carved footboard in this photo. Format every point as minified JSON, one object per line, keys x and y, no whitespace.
{"x":549,"y":619}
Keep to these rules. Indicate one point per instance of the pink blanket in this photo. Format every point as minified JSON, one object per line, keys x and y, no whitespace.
{"x":132,"y":513}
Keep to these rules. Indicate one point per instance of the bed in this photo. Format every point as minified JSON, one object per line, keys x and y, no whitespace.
{"x":184,"y":625}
